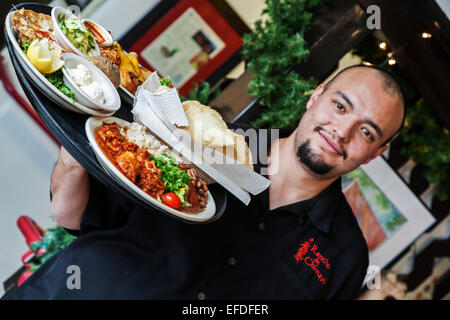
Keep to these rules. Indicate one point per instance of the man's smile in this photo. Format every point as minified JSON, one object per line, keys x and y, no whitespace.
{"x":330,"y":144}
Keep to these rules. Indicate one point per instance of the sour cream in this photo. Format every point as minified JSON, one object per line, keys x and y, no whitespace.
{"x":161,"y":89}
{"x":82,"y":77}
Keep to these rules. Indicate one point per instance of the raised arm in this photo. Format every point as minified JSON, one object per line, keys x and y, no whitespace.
{"x":70,"y":191}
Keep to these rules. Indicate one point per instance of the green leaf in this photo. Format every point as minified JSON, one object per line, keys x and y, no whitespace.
{"x":276,"y":44}
{"x":25,"y":45}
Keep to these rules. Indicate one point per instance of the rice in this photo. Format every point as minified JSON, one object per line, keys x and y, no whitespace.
{"x":140,"y":135}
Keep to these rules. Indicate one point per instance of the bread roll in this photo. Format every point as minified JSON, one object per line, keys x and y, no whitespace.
{"x":207,"y":127}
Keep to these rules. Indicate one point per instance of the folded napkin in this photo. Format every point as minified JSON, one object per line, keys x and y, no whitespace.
{"x":159,"y":109}
{"x":165,"y":99}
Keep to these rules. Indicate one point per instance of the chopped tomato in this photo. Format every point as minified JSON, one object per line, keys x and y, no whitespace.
{"x":171,"y":199}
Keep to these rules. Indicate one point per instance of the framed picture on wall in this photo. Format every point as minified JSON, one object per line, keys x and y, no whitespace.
{"x":390,"y":215}
{"x":188,"y":43}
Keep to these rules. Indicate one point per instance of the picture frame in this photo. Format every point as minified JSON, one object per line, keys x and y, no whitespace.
{"x":189,"y":43}
{"x":390,"y":215}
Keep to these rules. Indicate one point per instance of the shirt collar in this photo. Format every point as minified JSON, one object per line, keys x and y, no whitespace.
{"x":320,"y":209}
{"x":324,"y":206}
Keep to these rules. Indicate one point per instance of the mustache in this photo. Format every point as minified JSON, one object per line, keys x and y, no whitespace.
{"x":320,"y":128}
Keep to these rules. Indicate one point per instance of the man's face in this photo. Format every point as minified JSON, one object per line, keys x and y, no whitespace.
{"x":346,"y":125}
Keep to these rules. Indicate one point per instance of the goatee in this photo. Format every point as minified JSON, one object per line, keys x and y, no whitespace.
{"x":312,"y":161}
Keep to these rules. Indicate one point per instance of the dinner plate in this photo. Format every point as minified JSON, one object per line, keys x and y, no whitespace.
{"x":94,"y":122}
{"x":126,"y":95}
{"x":111,"y":97}
{"x":62,"y":39}
{"x":42,"y":83}
{"x":102,"y":31}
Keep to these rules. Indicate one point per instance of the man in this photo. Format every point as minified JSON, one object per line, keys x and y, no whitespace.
{"x":297,"y":240}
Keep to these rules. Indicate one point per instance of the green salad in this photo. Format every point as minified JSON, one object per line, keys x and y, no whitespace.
{"x":175,"y":179}
{"x":55,"y":78}
{"x":78,"y":34}
{"x":25,"y":45}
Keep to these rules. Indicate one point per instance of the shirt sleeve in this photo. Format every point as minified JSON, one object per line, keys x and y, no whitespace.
{"x":106,"y":209}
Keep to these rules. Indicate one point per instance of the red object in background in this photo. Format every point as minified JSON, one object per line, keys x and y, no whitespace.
{"x":32,"y":232}
{"x":233,"y":42}
{"x":21,"y":101}
{"x":24,"y":276}
{"x":29,"y":229}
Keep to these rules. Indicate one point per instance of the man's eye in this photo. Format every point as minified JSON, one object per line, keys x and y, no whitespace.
{"x":367,"y":133}
{"x":340,"y":106}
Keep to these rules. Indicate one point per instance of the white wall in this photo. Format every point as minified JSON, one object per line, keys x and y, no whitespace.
{"x":118,"y":15}
{"x":27,"y":157}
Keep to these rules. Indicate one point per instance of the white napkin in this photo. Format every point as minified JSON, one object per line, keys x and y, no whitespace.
{"x":145,"y":114}
{"x":160,"y":111}
{"x":166,"y":99}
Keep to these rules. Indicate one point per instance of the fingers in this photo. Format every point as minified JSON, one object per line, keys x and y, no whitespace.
{"x":67,"y":160}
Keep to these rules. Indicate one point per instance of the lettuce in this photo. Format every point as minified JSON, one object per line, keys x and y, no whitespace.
{"x":173,"y":177}
{"x":182,"y":193}
{"x":25,"y":45}
{"x":56,"y":79}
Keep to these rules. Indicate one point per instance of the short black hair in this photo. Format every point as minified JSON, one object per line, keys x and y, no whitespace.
{"x":391,"y":84}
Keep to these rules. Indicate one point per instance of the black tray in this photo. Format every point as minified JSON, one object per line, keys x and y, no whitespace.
{"x":68,"y":128}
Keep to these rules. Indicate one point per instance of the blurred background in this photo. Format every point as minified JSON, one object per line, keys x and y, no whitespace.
{"x":249,"y":74}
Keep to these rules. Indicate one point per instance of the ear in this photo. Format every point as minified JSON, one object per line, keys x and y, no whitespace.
{"x":379,"y":152}
{"x":317,"y":93}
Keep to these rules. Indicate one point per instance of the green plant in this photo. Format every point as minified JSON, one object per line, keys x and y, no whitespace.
{"x":202,"y":93}
{"x":276,"y":44}
{"x":427,"y":142}
{"x":54,"y":240}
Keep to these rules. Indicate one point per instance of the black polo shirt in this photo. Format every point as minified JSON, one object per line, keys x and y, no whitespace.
{"x":312,"y":249}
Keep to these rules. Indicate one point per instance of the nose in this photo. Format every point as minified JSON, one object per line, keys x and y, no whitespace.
{"x":343,"y":129}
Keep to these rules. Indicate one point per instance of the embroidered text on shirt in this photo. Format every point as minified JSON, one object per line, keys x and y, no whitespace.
{"x":312,"y":260}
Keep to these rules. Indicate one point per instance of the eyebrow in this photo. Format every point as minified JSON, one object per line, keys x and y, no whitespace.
{"x":347,"y":99}
{"x":352,"y":106}
{"x":375,"y":127}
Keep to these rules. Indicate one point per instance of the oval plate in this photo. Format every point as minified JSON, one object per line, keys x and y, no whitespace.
{"x":91,"y":124}
{"x":43,"y":84}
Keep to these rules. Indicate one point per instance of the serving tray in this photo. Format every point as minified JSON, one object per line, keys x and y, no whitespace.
{"x":69,"y":129}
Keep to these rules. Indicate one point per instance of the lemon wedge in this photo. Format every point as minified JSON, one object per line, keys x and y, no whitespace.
{"x":57,"y":62}
{"x":44,"y":59}
{"x":39,"y":55}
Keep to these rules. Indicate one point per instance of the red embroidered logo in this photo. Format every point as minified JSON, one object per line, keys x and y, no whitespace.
{"x":313,"y":259}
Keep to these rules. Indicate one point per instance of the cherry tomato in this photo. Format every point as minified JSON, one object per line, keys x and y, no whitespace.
{"x":171,"y":199}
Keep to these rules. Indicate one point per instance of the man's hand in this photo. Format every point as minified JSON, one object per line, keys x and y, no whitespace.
{"x":67,"y":160}
{"x":70,"y":191}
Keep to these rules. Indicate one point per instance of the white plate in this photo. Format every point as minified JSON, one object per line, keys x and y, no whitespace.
{"x":43,"y":84}
{"x":126,"y":95}
{"x":106,"y":35}
{"x":91,"y":124}
{"x":112,"y":99}
{"x":61,"y":38}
